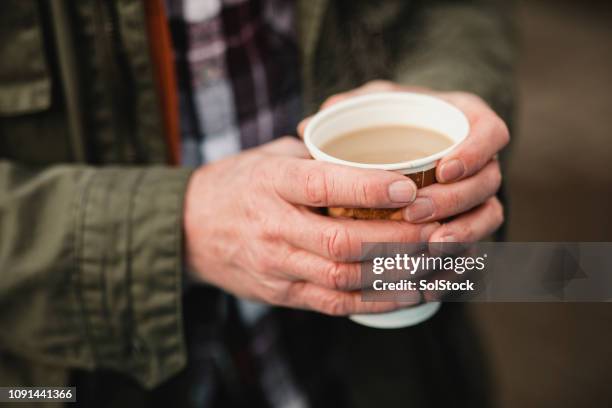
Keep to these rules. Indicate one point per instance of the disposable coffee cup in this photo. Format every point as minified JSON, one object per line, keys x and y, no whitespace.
{"x":388,"y":109}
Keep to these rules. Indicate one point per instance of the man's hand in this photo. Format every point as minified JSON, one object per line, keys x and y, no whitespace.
{"x":250,"y":227}
{"x":468,"y":178}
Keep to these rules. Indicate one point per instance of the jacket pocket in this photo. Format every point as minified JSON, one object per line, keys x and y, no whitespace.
{"x":25,"y":83}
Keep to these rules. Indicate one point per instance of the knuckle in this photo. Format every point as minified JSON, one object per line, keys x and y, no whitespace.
{"x":317,"y":187}
{"x":498,"y":211}
{"x":496,"y":177}
{"x":501,"y":218}
{"x":332,"y":99}
{"x":444,"y":230}
{"x":502,"y":130}
{"x":465,"y":233}
{"x":336,"y":242}
{"x":336,"y":278}
{"x":293,"y":295}
{"x":363,"y":195}
{"x":406,"y":233}
{"x":270,"y":226}
{"x":371,"y":192}
{"x":452,"y":201}
{"x":468,"y":97}
{"x":335,"y":306}
{"x":473,"y":98}
{"x":276,"y":295}
{"x":380,"y":84}
{"x":412,"y":235}
{"x":286,"y":261}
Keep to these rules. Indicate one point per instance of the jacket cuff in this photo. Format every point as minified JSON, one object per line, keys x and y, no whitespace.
{"x":129,"y":270}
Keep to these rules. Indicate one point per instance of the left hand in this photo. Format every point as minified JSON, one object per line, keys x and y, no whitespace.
{"x":468,"y":178}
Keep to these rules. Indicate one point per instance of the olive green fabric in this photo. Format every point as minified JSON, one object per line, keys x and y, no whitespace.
{"x":445,"y":45}
{"x":90,"y":256}
{"x":91,"y":267}
{"x":90,"y":218}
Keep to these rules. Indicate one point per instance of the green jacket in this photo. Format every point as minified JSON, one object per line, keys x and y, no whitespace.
{"x":90,"y":216}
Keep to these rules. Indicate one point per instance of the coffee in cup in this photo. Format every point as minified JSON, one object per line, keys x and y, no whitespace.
{"x":397,"y":131}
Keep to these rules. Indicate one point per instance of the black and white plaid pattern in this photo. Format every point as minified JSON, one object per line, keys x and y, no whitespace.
{"x":241,"y":60}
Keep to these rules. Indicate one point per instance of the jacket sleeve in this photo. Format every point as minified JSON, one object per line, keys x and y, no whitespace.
{"x":466,"y":45}
{"x":90,"y":267}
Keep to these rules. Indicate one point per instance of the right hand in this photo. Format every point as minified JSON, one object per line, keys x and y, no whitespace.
{"x":251,"y":230}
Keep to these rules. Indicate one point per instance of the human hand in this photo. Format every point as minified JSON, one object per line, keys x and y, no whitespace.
{"x":251,"y":230}
{"x":468,"y":178}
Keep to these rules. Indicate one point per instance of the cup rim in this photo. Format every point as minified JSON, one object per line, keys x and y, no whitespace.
{"x":358,"y":100}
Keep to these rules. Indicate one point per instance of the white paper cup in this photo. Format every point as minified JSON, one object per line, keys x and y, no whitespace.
{"x":389,"y":108}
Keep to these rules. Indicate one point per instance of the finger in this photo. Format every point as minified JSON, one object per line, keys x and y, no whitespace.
{"x":340,"y":239}
{"x":473,"y":225}
{"x":300,"y":265}
{"x":488,"y":135}
{"x":440,"y":201}
{"x":319,"y":184}
{"x":471,"y":105}
{"x":306,"y":295}
{"x":302,"y":126}
{"x":286,"y":146}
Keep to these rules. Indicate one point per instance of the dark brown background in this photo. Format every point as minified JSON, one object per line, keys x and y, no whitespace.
{"x":560,"y":182}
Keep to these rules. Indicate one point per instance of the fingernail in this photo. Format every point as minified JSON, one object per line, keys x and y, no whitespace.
{"x":448,"y":238}
{"x":428,"y":231}
{"x":451,"y":171}
{"x":420,"y":209}
{"x":403,"y":191}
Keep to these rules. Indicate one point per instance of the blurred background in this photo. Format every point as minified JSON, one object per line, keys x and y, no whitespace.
{"x":560,"y":189}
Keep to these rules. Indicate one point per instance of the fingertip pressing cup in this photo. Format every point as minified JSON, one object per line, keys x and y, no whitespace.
{"x":384,"y":109}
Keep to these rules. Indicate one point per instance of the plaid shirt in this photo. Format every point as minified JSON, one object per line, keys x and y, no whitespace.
{"x":238,"y":74}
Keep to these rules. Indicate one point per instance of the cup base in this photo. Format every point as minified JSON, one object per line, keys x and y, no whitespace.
{"x":398,"y":318}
